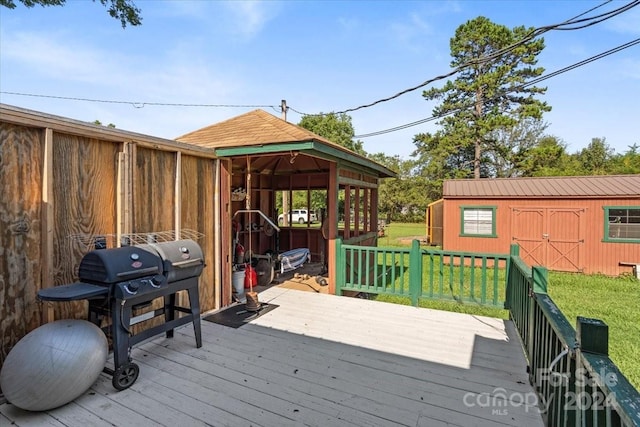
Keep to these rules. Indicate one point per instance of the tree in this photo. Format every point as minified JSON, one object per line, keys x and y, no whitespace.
{"x":402,"y":198}
{"x":489,"y":94}
{"x":124,"y":10}
{"x":596,"y":157}
{"x":548,"y":158}
{"x":99,"y":123}
{"x":335,"y":127}
{"x":508,"y":148}
{"x":628,"y":162}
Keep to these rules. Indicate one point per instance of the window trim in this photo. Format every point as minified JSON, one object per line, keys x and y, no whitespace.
{"x":493,"y":209}
{"x":606,"y":237}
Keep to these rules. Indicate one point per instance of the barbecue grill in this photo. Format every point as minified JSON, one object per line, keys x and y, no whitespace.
{"x":120,"y":282}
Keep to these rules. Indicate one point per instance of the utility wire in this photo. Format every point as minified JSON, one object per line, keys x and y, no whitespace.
{"x":531,"y":35}
{"x":140,"y":104}
{"x":522,"y":86}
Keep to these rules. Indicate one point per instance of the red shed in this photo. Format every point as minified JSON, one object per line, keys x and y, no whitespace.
{"x":588,"y":224}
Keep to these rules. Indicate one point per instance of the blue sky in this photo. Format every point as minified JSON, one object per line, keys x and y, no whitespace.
{"x":318,"y":56}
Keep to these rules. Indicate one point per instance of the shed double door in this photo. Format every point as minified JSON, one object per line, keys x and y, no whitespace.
{"x":551,"y":237}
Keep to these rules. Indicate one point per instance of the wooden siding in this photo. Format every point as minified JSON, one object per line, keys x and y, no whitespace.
{"x":435,"y":218}
{"x":197,"y":208}
{"x":84,"y":188}
{"x":154,"y":190}
{"x":56,"y":185}
{"x":595,"y":255}
{"x":21,"y":157}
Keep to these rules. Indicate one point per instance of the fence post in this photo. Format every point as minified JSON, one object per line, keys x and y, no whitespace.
{"x":514,"y":250}
{"x":340,"y":267}
{"x":540,"y":276}
{"x":415,"y":272}
{"x":593,"y":335}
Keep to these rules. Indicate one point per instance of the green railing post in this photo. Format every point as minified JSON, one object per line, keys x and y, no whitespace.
{"x":514,"y":250}
{"x":593,"y":338}
{"x":540,"y":277}
{"x":415,"y":272}
{"x":341,"y":267}
{"x":593,"y":335}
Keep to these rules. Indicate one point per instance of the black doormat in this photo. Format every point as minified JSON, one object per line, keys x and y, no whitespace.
{"x":236,"y":316}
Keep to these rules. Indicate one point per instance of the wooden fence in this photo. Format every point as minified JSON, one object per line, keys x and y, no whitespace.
{"x":64,"y":182}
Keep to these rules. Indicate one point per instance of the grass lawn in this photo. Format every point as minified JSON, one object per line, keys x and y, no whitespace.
{"x":616,"y":301}
{"x":401,"y":234}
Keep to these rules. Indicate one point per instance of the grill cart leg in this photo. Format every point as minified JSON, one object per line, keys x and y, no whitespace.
{"x":194,"y":302}
{"x":169,"y":312}
{"x":120,"y":322}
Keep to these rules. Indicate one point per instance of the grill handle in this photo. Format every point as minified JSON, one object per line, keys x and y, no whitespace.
{"x":136,"y":273}
{"x":188,"y":263}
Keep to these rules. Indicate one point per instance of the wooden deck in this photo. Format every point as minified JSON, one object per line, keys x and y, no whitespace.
{"x":318,"y":360}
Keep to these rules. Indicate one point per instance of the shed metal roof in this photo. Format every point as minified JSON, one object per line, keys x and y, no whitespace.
{"x":607,"y":186}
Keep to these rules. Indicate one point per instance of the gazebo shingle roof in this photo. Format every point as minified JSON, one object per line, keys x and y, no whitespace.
{"x":253,"y":128}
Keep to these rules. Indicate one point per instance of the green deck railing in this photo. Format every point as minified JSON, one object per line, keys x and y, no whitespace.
{"x":423,"y":273}
{"x":576,"y":382}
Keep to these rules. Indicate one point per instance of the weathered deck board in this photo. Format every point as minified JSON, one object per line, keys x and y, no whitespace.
{"x":316,"y":360}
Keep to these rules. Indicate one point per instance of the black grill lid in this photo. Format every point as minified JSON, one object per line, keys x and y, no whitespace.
{"x":119,"y":264}
{"x":182,"y":258}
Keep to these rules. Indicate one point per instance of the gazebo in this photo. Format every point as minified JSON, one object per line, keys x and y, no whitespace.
{"x":270,"y":167}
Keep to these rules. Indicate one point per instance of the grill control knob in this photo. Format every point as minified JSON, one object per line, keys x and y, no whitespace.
{"x":156,"y":281}
{"x":132,"y":287}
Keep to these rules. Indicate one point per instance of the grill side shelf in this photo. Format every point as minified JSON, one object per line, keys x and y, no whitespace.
{"x":73,"y":292}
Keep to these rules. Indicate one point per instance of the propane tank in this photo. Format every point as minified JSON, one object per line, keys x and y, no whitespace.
{"x":239,"y":253}
{"x":250,"y":277}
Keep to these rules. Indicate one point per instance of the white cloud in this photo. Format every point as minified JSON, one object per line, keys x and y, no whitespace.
{"x":250,"y":17}
{"x":66,"y":62}
{"x":626,"y":23}
{"x":349,"y":24}
{"x":631,"y":68}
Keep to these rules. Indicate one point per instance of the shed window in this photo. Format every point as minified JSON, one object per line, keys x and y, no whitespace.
{"x":622,"y":223}
{"x":478,"y":221}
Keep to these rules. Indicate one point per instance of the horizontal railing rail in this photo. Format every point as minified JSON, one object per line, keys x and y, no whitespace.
{"x":424,"y":273}
{"x":576,"y":382}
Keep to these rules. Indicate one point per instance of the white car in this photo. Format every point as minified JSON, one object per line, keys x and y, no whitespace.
{"x":300,"y":216}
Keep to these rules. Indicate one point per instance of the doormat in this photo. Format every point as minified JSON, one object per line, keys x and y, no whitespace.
{"x":236,"y":316}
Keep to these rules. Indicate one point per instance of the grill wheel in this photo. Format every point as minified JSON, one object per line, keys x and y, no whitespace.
{"x":125,"y":376}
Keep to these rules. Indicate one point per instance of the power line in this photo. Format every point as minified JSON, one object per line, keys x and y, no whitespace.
{"x":137,"y":104}
{"x":531,"y":35}
{"x":566,"y":25}
{"x":529,"y":83}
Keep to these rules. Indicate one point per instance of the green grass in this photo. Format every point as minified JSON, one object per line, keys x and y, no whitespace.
{"x":616,"y":301}
{"x":467,"y":308}
{"x":399,"y":234}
